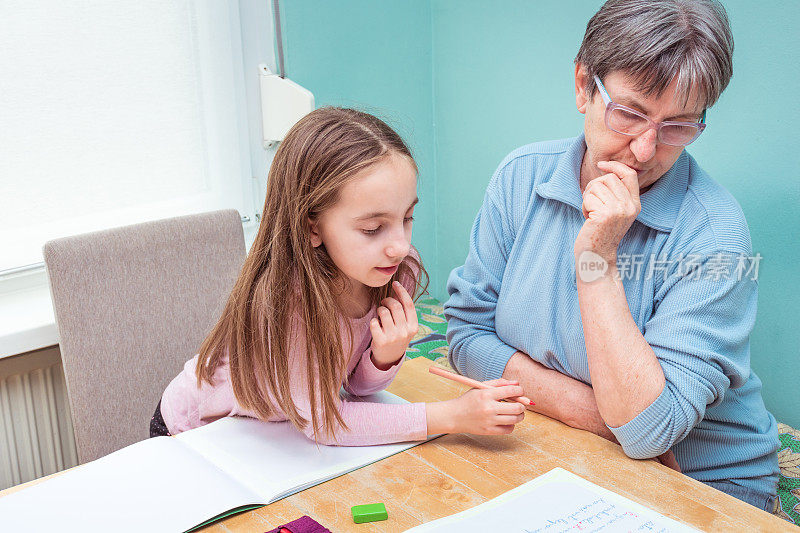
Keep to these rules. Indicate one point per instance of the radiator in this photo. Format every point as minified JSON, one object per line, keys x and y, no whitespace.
{"x":36,"y":437}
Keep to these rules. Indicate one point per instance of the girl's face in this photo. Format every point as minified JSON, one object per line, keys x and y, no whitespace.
{"x":367,"y":233}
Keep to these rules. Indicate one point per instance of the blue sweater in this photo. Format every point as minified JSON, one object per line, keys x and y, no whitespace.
{"x":688,"y":278}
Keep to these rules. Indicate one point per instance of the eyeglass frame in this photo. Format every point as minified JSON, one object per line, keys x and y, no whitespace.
{"x":611,"y":106}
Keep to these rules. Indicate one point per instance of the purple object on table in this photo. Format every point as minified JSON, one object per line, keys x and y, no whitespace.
{"x":304,"y":524}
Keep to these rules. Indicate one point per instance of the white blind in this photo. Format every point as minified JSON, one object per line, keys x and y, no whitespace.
{"x":113,"y":113}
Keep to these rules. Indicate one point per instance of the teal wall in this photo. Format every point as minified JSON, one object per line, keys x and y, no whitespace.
{"x":752,"y":151}
{"x":374,"y":56}
{"x":468,"y":81}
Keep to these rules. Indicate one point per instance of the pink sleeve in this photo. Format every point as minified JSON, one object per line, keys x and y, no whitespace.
{"x":368,"y":379}
{"x":368,"y":423}
{"x":377,"y":423}
{"x":184,"y":406}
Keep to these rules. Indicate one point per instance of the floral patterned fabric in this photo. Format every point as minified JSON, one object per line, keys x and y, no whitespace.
{"x":430,"y":340}
{"x":431,"y":343}
{"x":788,"y":504}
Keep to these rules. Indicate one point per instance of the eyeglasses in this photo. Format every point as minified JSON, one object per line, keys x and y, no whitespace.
{"x":628,"y":121}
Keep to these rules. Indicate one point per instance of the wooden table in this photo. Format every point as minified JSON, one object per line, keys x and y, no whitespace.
{"x":455,"y":472}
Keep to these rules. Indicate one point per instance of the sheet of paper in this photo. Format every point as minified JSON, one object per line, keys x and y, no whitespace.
{"x":275,"y":460}
{"x":155,"y":485}
{"x":172,"y":484}
{"x":556,"y":502}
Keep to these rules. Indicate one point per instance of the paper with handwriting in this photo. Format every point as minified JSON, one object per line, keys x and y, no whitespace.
{"x":556,"y":502}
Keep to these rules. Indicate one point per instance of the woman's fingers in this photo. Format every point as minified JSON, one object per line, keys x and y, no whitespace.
{"x":627,"y":205}
{"x":618,"y":188}
{"x":602,"y":191}
{"x":591,"y":204}
{"x":625,"y":173}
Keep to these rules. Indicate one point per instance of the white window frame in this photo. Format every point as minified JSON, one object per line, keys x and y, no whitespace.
{"x":227,"y":163}
{"x":26,"y":316}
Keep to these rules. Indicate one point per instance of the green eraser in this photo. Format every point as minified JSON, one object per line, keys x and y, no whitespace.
{"x":372,"y":512}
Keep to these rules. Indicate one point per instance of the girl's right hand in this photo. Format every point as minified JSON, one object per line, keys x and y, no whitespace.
{"x":479,"y":411}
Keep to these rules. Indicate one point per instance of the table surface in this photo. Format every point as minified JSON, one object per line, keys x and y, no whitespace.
{"x":455,"y":472}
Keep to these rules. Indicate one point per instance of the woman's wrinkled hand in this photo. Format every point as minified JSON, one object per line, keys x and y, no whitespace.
{"x":610,"y":205}
{"x":668,"y":459}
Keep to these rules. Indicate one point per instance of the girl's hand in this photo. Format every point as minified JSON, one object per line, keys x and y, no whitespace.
{"x":478,"y":411}
{"x":610,"y":205}
{"x":394,"y":328}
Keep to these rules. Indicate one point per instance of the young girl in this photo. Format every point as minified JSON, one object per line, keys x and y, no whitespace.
{"x":324,"y":301}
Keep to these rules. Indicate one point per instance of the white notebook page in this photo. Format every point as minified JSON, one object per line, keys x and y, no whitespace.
{"x":155,"y":485}
{"x":275,"y":460}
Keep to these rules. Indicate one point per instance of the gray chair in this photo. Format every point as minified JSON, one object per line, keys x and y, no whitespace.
{"x":132,"y":305}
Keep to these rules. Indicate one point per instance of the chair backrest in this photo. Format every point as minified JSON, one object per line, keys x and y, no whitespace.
{"x":132,"y":305}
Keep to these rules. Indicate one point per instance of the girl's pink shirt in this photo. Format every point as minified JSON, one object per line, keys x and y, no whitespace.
{"x":184,"y":406}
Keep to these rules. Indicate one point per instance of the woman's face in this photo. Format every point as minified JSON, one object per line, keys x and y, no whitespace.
{"x":642,"y":152}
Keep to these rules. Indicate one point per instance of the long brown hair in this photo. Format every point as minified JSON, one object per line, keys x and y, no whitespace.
{"x":287,"y":287}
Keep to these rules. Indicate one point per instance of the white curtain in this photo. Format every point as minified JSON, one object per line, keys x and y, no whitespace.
{"x":117,"y":112}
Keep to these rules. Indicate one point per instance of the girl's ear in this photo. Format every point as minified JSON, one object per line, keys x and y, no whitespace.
{"x":316,"y":237}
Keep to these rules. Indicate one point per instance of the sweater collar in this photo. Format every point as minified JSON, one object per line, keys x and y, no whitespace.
{"x":660,"y":204}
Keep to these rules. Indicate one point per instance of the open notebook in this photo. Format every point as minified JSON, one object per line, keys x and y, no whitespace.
{"x":183,"y":482}
{"x":556,"y":502}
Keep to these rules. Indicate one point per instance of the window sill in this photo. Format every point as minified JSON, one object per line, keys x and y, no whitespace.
{"x":27,"y":321}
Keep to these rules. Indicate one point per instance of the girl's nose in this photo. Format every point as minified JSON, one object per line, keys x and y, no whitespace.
{"x":398,"y":247}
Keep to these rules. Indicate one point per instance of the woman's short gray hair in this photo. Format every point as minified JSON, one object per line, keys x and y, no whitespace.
{"x":652,"y":42}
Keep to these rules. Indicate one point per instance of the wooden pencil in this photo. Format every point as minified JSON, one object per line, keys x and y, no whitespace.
{"x":473,"y":383}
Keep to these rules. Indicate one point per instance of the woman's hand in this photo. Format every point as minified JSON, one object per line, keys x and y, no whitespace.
{"x":668,"y":459}
{"x":478,"y":411}
{"x":394,"y":328}
{"x":610,"y":205}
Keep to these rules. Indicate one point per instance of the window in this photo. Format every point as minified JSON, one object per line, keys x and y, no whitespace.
{"x":115,"y":113}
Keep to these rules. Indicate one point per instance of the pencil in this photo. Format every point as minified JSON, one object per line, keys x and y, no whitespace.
{"x":472,"y":383}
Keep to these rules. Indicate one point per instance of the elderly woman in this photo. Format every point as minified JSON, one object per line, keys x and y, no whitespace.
{"x":611,"y":276}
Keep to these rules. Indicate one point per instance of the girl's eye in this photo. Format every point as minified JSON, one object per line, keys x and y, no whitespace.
{"x":376,"y":230}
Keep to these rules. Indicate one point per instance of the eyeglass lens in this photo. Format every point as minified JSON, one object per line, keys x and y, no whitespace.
{"x":628,"y":123}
